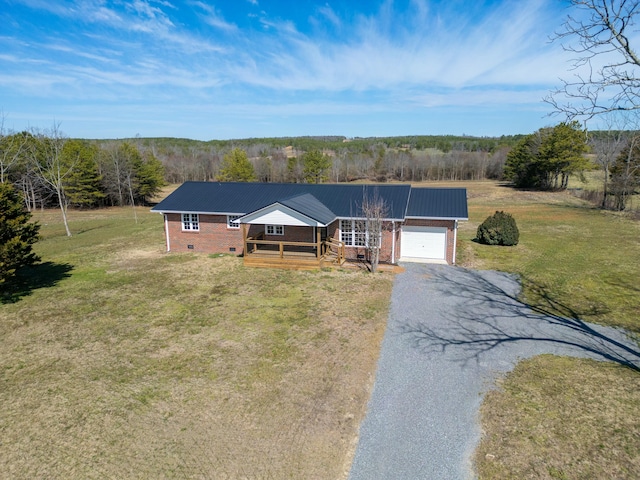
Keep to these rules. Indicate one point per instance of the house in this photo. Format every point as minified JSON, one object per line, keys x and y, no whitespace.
{"x":297,"y":225}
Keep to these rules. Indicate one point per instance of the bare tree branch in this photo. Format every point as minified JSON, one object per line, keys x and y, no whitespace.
{"x":607,"y":77}
{"x":375,"y":211}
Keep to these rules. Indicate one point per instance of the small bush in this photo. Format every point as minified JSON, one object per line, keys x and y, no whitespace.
{"x":498,"y":229}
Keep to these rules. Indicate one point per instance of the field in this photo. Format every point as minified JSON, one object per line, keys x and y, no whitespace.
{"x":562,"y":418}
{"x":573,"y":259}
{"x":555,"y":417}
{"x":121,"y":361}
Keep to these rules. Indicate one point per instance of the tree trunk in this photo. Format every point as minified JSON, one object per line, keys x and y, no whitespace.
{"x":63,"y":209}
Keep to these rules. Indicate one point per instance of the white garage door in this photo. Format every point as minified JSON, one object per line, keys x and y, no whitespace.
{"x":425,"y":243}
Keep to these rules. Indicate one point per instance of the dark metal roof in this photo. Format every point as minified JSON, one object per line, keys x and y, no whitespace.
{"x":311,"y":207}
{"x":450,"y":203}
{"x":342,"y":200}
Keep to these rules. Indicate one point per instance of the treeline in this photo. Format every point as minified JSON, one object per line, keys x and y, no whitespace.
{"x":52,"y":170}
{"x":410,"y":158}
{"x":444,"y":143}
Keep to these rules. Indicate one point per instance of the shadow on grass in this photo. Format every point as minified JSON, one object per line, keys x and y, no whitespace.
{"x":487,"y":314}
{"x":28,"y":279}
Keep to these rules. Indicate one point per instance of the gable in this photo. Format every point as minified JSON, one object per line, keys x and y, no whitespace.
{"x":310,"y":206}
{"x":278,"y":214}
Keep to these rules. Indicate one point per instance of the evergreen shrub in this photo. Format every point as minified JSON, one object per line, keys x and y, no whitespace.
{"x":498,"y":229}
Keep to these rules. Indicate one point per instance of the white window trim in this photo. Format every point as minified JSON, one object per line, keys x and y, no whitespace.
{"x":190,"y":222}
{"x":233,"y":226}
{"x":273,"y":229}
{"x":348,"y":237}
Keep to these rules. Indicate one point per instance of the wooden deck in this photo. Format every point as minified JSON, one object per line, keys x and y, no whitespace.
{"x":293,"y":255}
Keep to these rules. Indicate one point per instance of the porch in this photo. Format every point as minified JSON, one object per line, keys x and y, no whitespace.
{"x":326,"y":253}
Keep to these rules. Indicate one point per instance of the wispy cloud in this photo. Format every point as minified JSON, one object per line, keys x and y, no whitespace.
{"x":325,"y":60}
{"x":491,"y":51}
{"x":213,"y":18}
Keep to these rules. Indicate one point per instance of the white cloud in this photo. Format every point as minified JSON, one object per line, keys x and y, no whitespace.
{"x":213,"y":17}
{"x":432,"y":56}
{"x":327,"y":12}
{"x":388,"y":50}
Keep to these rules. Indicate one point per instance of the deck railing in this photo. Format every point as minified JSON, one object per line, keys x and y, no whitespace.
{"x":335,"y":248}
{"x":322,"y":249}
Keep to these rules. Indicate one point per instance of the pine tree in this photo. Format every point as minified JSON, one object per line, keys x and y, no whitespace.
{"x":315,"y":167}
{"x":547,"y":158}
{"x":82,"y":185}
{"x":17,"y":234}
{"x":236,"y":167}
{"x":625,"y":173}
{"x":150,"y":177}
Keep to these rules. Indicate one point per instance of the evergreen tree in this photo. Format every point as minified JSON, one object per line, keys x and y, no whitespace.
{"x":521,"y":165}
{"x":150,"y":177}
{"x":17,"y":234}
{"x":82,"y":185}
{"x":315,"y":166}
{"x":294,"y":170}
{"x":236,"y":167}
{"x":548,"y":157}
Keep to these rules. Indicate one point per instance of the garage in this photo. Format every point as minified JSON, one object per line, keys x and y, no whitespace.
{"x":424,"y":243}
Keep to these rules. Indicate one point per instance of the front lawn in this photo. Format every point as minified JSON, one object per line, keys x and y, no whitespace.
{"x":118,"y":360}
{"x":556,"y":417}
{"x":573,"y":259}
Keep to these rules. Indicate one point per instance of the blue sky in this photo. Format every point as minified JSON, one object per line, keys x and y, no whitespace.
{"x":262,"y":68}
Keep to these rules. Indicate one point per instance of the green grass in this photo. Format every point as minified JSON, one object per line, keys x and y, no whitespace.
{"x":573,"y":259}
{"x":555,"y":417}
{"x":561,"y":418}
{"x":121,"y":361}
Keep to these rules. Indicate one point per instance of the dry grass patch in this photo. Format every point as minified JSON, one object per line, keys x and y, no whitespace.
{"x":562,"y":418}
{"x":148,"y":365}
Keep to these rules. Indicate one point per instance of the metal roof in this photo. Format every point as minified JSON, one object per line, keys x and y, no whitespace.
{"x":311,"y":207}
{"x":449,"y":203}
{"x":341,"y":200}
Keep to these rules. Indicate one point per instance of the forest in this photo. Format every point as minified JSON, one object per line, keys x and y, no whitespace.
{"x":52,"y":170}
{"x":408,"y":158}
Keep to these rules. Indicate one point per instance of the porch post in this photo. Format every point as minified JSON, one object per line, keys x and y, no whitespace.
{"x":244,"y":239}
{"x":318,"y":236}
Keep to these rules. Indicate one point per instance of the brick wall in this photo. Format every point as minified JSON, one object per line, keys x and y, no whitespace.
{"x":215,"y":237}
{"x":291,"y":234}
{"x":359,"y":253}
{"x":448,"y":224}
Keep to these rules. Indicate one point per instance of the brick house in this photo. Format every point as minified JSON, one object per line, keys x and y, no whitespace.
{"x":274,"y":224}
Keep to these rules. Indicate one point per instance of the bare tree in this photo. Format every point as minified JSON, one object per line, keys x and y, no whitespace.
{"x":625,"y":173}
{"x":12,"y":147}
{"x":607,"y":144}
{"x":607,"y":68}
{"x":51,"y":168}
{"x":375,"y":211}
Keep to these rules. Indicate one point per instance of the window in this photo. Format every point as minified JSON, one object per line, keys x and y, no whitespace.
{"x":275,"y":229}
{"x":231,"y":218}
{"x":353,"y":233}
{"x":190,"y":222}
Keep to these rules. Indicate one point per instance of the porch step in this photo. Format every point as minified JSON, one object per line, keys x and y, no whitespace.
{"x":283,"y":263}
{"x":292,"y":263}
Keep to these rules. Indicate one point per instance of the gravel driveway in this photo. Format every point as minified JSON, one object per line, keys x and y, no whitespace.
{"x":450,"y":333}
